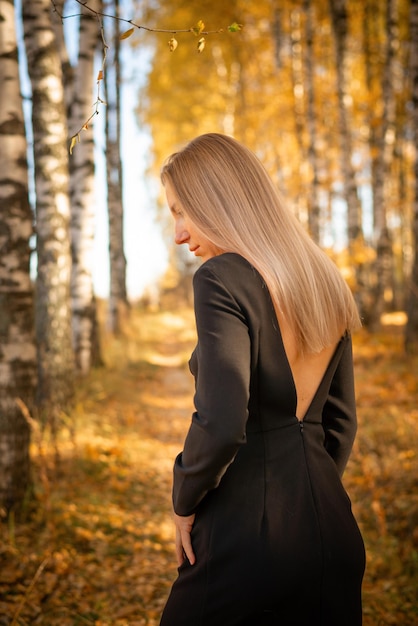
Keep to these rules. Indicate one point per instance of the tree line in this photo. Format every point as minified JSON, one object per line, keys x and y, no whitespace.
{"x":326,"y":93}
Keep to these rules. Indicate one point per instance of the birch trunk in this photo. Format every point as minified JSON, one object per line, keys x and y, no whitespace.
{"x":118,"y":300}
{"x":383,"y":291}
{"x":371,"y":35}
{"x":314,"y":212}
{"x":52,"y":312}
{"x":299,"y":105}
{"x":339,"y":20}
{"x":83,"y":201}
{"x":411,"y":332}
{"x":67,"y":69}
{"x":17,"y":351}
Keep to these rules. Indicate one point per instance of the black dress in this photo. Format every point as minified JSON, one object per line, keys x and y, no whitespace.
{"x":274,"y":536}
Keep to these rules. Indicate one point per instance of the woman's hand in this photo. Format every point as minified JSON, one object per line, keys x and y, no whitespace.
{"x":184,"y":525}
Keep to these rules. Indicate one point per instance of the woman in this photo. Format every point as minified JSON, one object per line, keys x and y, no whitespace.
{"x":264,"y":529}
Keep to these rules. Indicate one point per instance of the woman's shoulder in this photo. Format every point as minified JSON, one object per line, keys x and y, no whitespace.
{"x":229,"y":272}
{"x":226,"y":265}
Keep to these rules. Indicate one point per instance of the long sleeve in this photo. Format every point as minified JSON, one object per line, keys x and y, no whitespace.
{"x":222,"y":375}
{"x":339,"y":417}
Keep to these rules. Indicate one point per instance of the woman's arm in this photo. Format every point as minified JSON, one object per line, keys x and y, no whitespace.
{"x":222,"y":392}
{"x":339,"y":416}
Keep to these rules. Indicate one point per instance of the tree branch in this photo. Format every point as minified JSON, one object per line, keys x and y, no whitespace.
{"x":198,"y":30}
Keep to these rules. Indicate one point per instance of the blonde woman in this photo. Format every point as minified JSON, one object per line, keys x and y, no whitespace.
{"x":264,"y":529}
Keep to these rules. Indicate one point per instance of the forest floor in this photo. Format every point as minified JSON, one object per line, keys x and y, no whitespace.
{"x":97,"y":546}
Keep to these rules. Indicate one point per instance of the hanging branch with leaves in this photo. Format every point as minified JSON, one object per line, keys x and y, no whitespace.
{"x":198,"y":30}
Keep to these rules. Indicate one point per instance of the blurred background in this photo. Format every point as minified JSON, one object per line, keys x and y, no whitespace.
{"x":94,"y":95}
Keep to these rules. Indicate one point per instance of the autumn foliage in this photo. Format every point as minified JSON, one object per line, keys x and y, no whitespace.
{"x":98,"y":546}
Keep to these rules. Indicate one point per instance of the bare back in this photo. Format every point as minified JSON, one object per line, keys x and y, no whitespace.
{"x":307,"y":369}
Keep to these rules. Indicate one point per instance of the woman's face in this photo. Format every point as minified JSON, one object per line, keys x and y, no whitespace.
{"x":185,"y":232}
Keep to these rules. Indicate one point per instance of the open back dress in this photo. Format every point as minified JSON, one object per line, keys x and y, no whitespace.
{"x":274,"y":536}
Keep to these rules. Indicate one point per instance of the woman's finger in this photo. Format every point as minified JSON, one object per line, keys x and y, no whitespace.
{"x":184,"y":525}
{"x":179,"y":548}
{"x":187,"y":546}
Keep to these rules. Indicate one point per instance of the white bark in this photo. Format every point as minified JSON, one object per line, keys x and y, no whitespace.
{"x":118,"y":297}
{"x":314,"y":212}
{"x":382,"y":170}
{"x":339,"y":18}
{"x":83,"y":200}
{"x":17,"y":341}
{"x":53,"y":314}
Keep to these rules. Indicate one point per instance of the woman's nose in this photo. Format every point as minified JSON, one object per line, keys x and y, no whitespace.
{"x":181,"y":234}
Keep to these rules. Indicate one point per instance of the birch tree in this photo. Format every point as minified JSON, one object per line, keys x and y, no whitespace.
{"x":339,"y":19}
{"x":57,"y":7}
{"x":298,"y":89}
{"x":411,"y":333}
{"x":382,"y":169}
{"x":83,"y":200}
{"x":311,"y":117}
{"x":52,"y":311}
{"x":118,"y":300}
{"x":17,"y":341}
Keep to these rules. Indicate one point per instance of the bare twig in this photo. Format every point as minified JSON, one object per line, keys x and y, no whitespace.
{"x":198,"y":30}
{"x":76,"y":137}
{"x":38,"y":573}
{"x":194,"y":29}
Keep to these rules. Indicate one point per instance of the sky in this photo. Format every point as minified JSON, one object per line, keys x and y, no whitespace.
{"x":145,"y":250}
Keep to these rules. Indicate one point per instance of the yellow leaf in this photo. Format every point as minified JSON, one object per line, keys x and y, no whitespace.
{"x":126,"y":34}
{"x":100,"y":75}
{"x":201,"y":44}
{"x":234,"y":27}
{"x":74,"y":140}
{"x":172,"y":44}
{"x":198,"y":28}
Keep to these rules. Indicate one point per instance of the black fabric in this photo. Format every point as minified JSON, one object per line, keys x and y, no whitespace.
{"x":274,"y":536}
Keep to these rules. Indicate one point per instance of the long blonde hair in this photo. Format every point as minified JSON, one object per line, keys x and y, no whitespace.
{"x":232,"y":201}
